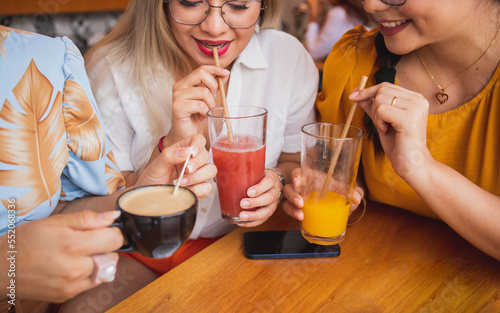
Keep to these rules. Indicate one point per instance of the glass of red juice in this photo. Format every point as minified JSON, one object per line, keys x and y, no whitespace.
{"x":239,"y":152}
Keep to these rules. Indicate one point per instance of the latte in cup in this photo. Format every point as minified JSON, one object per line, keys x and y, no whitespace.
{"x":154,"y":222}
{"x":156,"y":201}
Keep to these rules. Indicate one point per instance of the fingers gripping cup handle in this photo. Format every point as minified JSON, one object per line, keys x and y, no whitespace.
{"x":127,"y":246}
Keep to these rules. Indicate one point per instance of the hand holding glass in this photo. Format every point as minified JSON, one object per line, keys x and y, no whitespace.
{"x":325,"y":218}
{"x":241,"y":162}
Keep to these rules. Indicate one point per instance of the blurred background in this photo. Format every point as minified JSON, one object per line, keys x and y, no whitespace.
{"x":87,"y":21}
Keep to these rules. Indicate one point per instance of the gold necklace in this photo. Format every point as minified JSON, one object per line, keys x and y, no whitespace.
{"x":441,"y":96}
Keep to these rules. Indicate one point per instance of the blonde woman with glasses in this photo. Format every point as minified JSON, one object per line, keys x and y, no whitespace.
{"x":432,"y":110}
{"x":154,"y":77}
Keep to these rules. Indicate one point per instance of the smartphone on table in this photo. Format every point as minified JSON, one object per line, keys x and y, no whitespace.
{"x":284,"y":245}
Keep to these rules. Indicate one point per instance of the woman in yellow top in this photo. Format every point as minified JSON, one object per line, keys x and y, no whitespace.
{"x":432,"y":111}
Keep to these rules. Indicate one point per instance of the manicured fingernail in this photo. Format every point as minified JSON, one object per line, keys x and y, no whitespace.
{"x":110,"y":215}
{"x":295,"y":180}
{"x":226,"y":71}
{"x":298,"y":202}
{"x":182,"y":152}
{"x":245,"y":204}
{"x":354,"y":95}
{"x":252,"y":192}
{"x":184,"y":181}
{"x":244,"y":216}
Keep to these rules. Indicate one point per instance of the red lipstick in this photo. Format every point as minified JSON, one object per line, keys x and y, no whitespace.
{"x":206,"y":46}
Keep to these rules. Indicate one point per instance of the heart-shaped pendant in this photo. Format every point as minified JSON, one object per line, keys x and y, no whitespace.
{"x":441,"y":97}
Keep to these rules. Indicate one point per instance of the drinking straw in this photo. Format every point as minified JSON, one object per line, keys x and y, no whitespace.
{"x":347,"y":125}
{"x":222,"y":91}
{"x":182,"y":171}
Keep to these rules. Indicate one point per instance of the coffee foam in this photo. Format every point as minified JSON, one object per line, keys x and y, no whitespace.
{"x":156,"y":201}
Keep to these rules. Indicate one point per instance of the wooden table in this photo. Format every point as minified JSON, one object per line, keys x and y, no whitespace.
{"x":391,"y":261}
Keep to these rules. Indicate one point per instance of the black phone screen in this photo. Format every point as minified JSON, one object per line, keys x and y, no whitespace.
{"x":284,"y":245}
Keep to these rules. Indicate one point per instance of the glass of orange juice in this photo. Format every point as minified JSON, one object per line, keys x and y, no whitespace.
{"x":329,"y":166}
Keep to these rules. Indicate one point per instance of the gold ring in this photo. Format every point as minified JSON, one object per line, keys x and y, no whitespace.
{"x":280,"y":195}
{"x":393,"y":101}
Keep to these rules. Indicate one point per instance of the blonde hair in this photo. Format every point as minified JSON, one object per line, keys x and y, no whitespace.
{"x":143,"y":39}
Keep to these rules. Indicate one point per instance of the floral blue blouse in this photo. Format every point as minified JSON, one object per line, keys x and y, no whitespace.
{"x":52,"y":144}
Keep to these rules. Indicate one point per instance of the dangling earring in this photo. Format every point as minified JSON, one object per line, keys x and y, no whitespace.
{"x":257,"y":27}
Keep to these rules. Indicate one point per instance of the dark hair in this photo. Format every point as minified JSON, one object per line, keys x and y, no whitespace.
{"x":355,"y":8}
{"x":386,"y":73}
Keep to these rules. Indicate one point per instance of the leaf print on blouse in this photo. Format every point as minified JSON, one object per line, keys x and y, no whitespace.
{"x":36,"y":143}
{"x":116,"y":180}
{"x":4,"y":33}
{"x":82,"y":124}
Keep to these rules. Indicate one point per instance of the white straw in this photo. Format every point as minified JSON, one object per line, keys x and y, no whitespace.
{"x":182,"y":171}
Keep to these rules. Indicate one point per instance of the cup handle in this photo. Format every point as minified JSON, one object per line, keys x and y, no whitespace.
{"x":127,"y":247}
